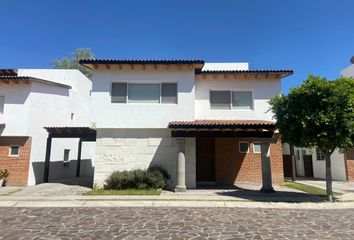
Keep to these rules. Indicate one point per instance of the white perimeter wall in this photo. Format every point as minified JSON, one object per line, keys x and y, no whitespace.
{"x":263,"y":90}
{"x":338,"y":166}
{"x":134,"y":115}
{"x":128,"y":149}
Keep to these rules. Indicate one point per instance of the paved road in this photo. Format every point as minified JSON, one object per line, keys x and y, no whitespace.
{"x":174,"y":223}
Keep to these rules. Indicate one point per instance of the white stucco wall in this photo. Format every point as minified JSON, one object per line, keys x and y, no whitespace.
{"x":338,"y":166}
{"x":348,"y":72}
{"x":134,"y":115}
{"x":263,"y":90}
{"x":16,"y":109}
{"x":128,"y":149}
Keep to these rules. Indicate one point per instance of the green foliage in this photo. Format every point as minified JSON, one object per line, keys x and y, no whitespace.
{"x":137,"y":179}
{"x":72,"y":62}
{"x":124,"y":192}
{"x":4,"y":173}
{"x":308,"y":189}
{"x":317,"y":113}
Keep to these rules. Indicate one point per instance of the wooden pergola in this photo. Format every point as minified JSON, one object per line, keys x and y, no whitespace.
{"x":85,"y":134}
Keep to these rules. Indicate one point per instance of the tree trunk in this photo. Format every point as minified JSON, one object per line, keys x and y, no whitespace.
{"x":328,"y":176}
{"x":293,"y":164}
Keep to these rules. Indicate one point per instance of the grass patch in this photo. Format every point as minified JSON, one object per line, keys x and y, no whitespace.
{"x":124,"y":192}
{"x":9,"y":193}
{"x":308,"y":189}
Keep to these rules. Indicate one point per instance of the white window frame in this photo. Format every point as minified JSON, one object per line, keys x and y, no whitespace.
{"x":239,"y":146}
{"x":231,"y":108}
{"x":257,"y":143}
{"x":138,"y":82}
{"x":12,"y":155}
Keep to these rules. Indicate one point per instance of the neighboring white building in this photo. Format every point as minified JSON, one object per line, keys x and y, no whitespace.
{"x":148,"y":112}
{"x":342,"y":162}
{"x":31,"y":99}
{"x":311,"y":163}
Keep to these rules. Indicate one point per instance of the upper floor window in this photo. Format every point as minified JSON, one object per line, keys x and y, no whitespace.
{"x":2,"y":104}
{"x":144,"y":93}
{"x":231,"y":100}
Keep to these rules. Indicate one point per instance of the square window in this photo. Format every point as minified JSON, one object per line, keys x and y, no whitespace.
{"x":220,"y":99}
{"x":168,"y":93}
{"x":119,"y":93}
{"x":242,"y":100}
{"x":14,"y":151}
{"x":256,"y":148}
{"x":243,"y":146}
{"x":144,"y":93}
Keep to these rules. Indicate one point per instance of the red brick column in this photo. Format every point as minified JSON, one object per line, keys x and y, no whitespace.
{"x":349,"y":164}
{"x":17,"y":165}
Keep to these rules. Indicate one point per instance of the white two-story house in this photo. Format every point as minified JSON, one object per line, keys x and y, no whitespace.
{"x":205,"y":123}
{"x":31,"y":99}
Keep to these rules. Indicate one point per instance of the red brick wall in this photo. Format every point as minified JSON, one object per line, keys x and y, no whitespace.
{"x":231,"y":166}
{"x":17,"y":166}
{"x":349,"y":163}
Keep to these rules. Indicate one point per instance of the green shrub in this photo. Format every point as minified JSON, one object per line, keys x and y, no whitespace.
{"x":4,"y":173}
{"x":153,"y":178}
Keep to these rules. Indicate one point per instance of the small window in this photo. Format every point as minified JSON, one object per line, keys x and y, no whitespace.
{"x":72,"y":116}
{"x":256,"y":148}
{"x":220,"y":99}
{"x":243,"y":146}
{"x":144,"y":93}
{"x":2,"y":104}
{"x":119,"y":93}
{"x":66,"y":157}
{"x":168,"y":93}
{"x":14,"y":151}
{"x":242,"y":100}
{"x":319,"y":155}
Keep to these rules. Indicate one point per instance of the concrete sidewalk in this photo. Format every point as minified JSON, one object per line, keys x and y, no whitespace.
{"x":59,"y":195}
{"x":134,"y":201}
{"x":247,"y":199}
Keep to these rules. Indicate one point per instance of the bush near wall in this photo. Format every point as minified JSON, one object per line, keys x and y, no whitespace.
{"x":153,"y":178}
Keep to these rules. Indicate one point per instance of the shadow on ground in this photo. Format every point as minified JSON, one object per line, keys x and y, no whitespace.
{"x":280,"y":195}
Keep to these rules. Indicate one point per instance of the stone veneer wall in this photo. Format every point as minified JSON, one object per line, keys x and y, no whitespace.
{"x":128,"y":149}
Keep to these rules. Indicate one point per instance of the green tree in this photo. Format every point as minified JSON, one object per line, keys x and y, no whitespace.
{"x":72,"y":62}
{"x":318,"y":113}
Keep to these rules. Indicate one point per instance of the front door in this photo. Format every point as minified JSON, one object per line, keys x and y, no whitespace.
{"x":205,"y":163}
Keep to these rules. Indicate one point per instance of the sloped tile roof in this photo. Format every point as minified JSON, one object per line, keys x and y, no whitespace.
{"x":125,"y":61}
{"x":206,"y":123}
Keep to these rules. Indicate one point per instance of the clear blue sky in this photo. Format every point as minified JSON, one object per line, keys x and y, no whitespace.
{"x":308,"y":36}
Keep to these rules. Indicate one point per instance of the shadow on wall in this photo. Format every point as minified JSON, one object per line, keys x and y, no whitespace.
{"x":57,"y":171}
{"x":166,"y":157}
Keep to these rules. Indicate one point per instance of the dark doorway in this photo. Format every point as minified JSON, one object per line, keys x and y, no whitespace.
{"x":205,"y":163}
{"x":308,"y":165}
{"x":287,"y":166}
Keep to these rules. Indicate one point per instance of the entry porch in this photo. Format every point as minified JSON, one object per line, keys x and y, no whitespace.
{"x":229,"y":152}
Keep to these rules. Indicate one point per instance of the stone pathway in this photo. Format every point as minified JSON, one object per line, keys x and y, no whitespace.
{"x":175,"y":223}
{"x":45,"y":189}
